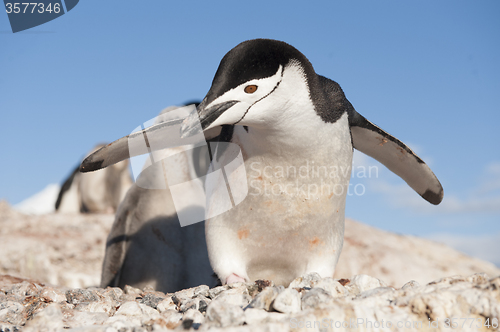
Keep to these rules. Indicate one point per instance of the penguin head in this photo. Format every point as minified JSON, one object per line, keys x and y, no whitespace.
{"x":248,"y":87}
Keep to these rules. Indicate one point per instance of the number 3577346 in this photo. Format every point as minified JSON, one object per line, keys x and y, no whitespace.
{"x":31,"y":7}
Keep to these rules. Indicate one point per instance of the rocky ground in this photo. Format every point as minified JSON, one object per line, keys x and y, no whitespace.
{"x":308,"y":304}
{"x":50,"y":263}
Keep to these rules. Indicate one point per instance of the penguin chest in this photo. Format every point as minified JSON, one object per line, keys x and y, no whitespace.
{"x":294,"y":207}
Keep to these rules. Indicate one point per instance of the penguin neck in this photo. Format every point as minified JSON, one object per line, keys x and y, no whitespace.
{"x":314,"y":139}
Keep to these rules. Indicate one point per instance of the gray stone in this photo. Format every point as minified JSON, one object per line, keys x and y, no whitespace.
{"x":76,"y":296}
{"x":113,"y":293}
{"x":48,"y":319}
{"x":152,"y":299}
{"x":305,"y":281}
{"x":213,"y":292}
{"x":13,"y":313}
{"x":203,"y":305}
{"x":332,"y":286}
{"x":129,"y":290}
{"x":50,"y":294}
{"x":166,"y":304}
{"x":410,"y":285}
{"x":195,"y":317}
{"x":201,"y":290}
{"x":132,"y":308}
{"x":171,"y":318}
{"x":264,"y":299}
{"x":258,"y":286}
{"x":184,"y":299}
{"x":184,"y":294}
{"x":237,"y":297}
{"x":132,"y":313}
{"x":198,"y":303}
{"x":108,"y":307}
{"x":288,"y":301}
{"x":224,"y":314}
{"x":362,"y":282}
{"x":315,"y":297}
{"x":189,"y":304}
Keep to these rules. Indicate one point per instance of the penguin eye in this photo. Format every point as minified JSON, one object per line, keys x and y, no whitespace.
{"x":250,"y":88}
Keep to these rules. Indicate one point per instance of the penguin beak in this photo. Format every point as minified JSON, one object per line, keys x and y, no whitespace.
{"x":205,"y":116}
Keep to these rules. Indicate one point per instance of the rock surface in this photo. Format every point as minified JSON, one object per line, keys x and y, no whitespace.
{"x":397,"y":258}
{"x":359,"y":303}
{"x":60,"y":249}
{"x":68,"y":250}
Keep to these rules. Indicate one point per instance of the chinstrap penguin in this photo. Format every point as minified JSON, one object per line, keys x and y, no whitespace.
{"x":283,"y":115}
{"x":266,"y":98}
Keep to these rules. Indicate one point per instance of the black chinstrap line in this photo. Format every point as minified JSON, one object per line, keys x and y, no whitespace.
{"x":275,"y":87}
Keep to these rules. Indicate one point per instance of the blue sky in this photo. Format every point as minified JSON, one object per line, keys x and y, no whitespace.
{"x":427,"y":72}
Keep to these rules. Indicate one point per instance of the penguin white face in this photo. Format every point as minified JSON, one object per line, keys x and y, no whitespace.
{"x":249,"y":101}
{"x":246,"y":87}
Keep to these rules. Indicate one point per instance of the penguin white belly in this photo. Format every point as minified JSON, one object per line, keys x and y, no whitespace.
{"x":292,"y":221}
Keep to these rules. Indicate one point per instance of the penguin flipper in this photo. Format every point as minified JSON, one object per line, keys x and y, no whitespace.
{"x":396,"y":156}
{"x":159,"y":136}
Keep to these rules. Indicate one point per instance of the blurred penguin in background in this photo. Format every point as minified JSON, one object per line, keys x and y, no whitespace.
{"x":96,"y":192}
